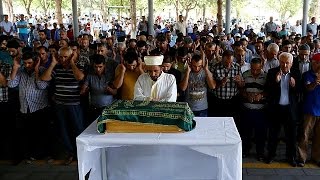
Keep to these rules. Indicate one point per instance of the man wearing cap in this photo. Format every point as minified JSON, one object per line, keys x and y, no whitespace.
{"x":6,"y":26}
{"x":155,"y":85}
{"x":311,"y":122}
{"x":237,"y":37}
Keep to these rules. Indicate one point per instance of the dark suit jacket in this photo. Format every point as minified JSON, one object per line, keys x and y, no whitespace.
{"x":295,"y":64}
{"x":274,"y":90}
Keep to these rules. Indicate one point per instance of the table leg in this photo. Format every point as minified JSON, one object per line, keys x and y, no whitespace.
{"x":104,"y":164}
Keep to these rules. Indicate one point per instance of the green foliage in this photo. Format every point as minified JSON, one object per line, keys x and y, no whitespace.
{"x":314,"y":7}
{"x":286,"y":8}
{"x":239,"y":6}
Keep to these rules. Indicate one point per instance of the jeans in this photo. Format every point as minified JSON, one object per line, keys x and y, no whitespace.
{"x":71,"y":124}
{"x":23,"y":37}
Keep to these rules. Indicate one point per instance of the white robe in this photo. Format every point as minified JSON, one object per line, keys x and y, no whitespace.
{"x":164,"y":89}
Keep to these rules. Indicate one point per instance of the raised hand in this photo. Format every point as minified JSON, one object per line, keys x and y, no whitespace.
{"x":237,"y":78}
{"x":16,"y":62}
{"x":278,"y":77}
{"x":292,"y":82}
{"x":37,"y":65}
{"x":224,"y":81}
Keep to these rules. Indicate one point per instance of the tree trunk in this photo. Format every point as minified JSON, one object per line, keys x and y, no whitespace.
{"x":177,"y":10}
{"x":133,"y":15}
{"x":9,"y":7}
{"x":58,"y":11}
{"x":28,"y":8}
{"x":219,"y":16}
{"x":187,"y":14}
{"x":103,"y":9}
{"x":204,"y":12}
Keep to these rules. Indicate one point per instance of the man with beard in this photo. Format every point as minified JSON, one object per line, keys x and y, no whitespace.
{"x":33,"y":97}
{"x":155,"y":85}
{"x":195,"y":82}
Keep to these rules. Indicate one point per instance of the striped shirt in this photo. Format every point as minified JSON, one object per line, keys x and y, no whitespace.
{"x":67,"y":88}
{"x":230,"y":89}
{"x":5,"y":69}
{"x":33,"y":94}
{"x":254,"y":85}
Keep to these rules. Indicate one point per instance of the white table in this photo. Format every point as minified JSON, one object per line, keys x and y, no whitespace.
{"x":211,"y":151}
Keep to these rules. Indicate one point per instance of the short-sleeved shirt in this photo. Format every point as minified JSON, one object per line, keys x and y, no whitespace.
{"x":254,"y":85}
{"x":22,"y":30}
{"x":230,"y":89}
{"x":67,"y":88}
{"x":6,"y":26}
{"x":196,"y":92}
{"x":97,"y":85}
{"x":311,"y":102}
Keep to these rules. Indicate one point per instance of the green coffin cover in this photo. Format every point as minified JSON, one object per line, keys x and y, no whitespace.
{"x":166,"y":113}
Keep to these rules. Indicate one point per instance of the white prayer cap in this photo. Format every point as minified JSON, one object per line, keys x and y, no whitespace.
{"x":153,"y":60}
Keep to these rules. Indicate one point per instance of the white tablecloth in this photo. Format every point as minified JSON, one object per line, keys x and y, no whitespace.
{"x":211,"y":151}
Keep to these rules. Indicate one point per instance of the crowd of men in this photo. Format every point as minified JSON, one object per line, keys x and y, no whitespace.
{"x":263,"y":82}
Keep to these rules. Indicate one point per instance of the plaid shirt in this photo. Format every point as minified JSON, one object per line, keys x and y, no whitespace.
{"x":33,"y":94}
{"x":230,"y":89}
{"x":5,"y":69}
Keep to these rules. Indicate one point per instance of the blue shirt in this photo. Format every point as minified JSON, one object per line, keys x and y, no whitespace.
{"x":312,"y":102}
{"x":22,"y":30}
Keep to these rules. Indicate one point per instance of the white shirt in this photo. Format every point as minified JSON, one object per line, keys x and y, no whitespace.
{"x":6,"y":26}
{"x":105,"y":26}
{"x":164,"y":89}
{"x":296,"y":29}
{"x":182,"y":27}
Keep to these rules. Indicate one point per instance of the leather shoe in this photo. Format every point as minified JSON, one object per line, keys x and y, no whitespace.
{"x":68,"y":160}
{"x":260,"y":158}
{"x":30,"y":160}
{"x":300,"y":164}
{"x":292,"y":162}
{"x":269,"y":160}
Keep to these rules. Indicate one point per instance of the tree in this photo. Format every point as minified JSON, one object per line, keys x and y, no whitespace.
{"x":9,"y":6}
{"x":219,"y":15}
{"x":27,"y":5}
{"x":239,"y":5}
{"x":285,"y":8}
{"x":188,"y":5}
{"x":133,"y":15}
{"x":314,"y":8}
{"x":44,"y":4}
{"x":58,"y":11}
